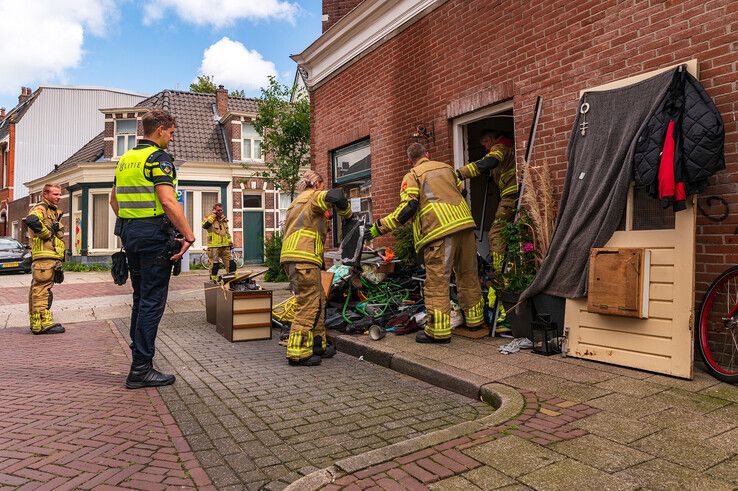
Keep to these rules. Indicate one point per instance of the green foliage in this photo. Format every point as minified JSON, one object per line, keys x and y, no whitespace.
{"x":238,"y":93}
{"x":285,"y":130}
{"x":520,"y":256}
{"x":204,"y":85}
{"x":405,"y":245}
{"x":272,"y":250}
{"x":84,"y":268}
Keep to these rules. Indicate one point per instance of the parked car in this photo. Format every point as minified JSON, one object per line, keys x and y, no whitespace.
{"x":14,"y":256}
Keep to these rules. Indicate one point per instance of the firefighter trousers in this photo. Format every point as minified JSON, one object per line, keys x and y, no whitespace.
{"x":455,"y":253}
{"x":503,"y":216}
{"x":219,"y":253}
{"x":309,"y":310}
{"x":39,"y":296}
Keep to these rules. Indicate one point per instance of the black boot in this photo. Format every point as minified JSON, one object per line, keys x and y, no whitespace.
{"x":143,"y":374}
{"x":55,"y":329}
{"x":306,"y":362}
{"x":422,"y":337}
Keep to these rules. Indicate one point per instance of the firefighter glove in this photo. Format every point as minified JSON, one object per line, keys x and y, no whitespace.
{"x":374,"y":231}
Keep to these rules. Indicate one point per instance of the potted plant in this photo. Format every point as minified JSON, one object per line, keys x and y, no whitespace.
{"x":538,"y":200}
{"x":521,"y":259}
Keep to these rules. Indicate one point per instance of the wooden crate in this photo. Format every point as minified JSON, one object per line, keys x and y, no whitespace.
{"x":211,"y":302}
{"x":244,"y":316}
{"x":619,"y":281}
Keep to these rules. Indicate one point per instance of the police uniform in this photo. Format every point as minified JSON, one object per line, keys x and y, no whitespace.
{"x":443,"y":229}
{"x":47,"y":250}
{"x":219,"y":244}
{"x":146,"y":235}
{"x":500,"y":161}
{"x":302,"y":257}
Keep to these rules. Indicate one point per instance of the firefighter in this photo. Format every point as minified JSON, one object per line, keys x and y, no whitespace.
{"x":47,"y":249}
{"x":302,"y":258}
{"x":443,"y":229}
{"x":219,"y":242}
{"x":500,"y":161}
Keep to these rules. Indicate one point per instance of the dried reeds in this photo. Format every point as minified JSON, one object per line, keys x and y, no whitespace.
{"x":538,"y":200}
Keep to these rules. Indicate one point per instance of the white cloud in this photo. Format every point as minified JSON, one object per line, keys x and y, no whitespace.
{"x":41,"y":39}
{"x":219,"y":13}
{"x":235,"y":66}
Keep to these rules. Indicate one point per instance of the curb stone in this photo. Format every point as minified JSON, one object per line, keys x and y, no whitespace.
{"x":507,"y":401}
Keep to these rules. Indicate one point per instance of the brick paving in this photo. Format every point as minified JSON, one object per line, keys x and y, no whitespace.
{"x":253,"y":421}
{"x":67,"y":422}
{"x":74,"y":291}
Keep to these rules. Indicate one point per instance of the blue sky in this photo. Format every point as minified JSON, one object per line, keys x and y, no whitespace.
{"x":148,"y":46}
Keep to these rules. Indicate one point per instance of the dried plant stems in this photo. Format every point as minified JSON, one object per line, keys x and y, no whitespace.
{"x":538,"y":200}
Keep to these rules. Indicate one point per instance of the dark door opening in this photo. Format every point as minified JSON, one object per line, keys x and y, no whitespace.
{"x":474,"y":150}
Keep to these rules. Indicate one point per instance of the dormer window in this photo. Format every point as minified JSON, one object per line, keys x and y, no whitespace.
{"x":125,"y":135}
{"x":251,"y":146}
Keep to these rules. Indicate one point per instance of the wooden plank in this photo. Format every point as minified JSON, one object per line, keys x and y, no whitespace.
{"x":252,"y":326}
{"x":661,"y":291}
{"x":640,"y":343}
{"x":659,"y":309}
{"x":616,"y":356}
{"x":252,"y":311}
{"x":662,"y":257}
{"x":653,"y":327}
{"x":662,"y":274}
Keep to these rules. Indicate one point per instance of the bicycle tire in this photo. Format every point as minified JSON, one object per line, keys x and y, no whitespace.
{"x":712,"y":326}
{"x":204,"y":260}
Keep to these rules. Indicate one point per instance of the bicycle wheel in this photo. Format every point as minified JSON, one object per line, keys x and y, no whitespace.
{"x":204,"y":260}
{"x":717,"y":332}
{"x":237,"y":256}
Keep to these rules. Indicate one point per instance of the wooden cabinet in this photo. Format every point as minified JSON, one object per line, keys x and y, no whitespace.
{"x":244,"y":316}
{"x":211,"y":301}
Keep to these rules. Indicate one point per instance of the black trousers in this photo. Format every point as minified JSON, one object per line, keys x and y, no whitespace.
{"x":146,"y":244}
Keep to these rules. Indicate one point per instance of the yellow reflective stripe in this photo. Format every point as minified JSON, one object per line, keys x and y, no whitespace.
{"x":300,"y":344}
{"x":509,"y":190}
{"x":321,"y":200}
{"x":440,"y":325}
{"x":497,"y":153}
{"x":345,"y":213}
{"x":474,"y":315}
{"x":419,"y":243}
{"x":473,"y":169}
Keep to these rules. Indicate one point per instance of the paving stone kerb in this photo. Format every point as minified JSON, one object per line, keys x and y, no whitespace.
{"x":253,"y":421}
{"x":508,"y":403}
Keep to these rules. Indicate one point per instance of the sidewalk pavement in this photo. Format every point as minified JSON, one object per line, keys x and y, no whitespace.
{"x":67,"y":422}
{"x":581,"y":425}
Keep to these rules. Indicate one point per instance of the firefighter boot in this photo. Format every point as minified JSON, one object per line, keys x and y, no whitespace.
{"x":47,"y":325}
{"x":313,"y":361}
{"x":143,"y":374}
{"x":318,"y":350}
{"x":422,"y":337}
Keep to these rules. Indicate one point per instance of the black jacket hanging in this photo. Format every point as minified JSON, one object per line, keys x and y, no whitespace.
{"x":699,"y":137}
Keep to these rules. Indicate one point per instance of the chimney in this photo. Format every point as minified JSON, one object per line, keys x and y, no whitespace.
{"x":24,"y":95}
{"x":2,"y":112}
{"x":221,"y":100}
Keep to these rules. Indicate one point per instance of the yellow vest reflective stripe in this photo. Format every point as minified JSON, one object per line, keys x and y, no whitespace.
{"x":296,"y":247}
{"x":39,"y":252}
{"x":136,"y":195}
{"x":448,"y":218}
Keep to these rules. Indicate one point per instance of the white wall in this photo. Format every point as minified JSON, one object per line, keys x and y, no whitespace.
{"x":57,"y":124}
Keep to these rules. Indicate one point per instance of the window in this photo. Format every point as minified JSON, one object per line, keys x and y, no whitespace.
{"x":252,"y":201}
{"x":352,"y":173}
{"x":285,"y":200}
{"x":100,"y":216}
{"x":125,"y":135}
{"x":4,"y":176}
{"x":189,"y":209}
{"x":14,"y":229}
{"x":208,"y":201}
{"x":251,"y":148}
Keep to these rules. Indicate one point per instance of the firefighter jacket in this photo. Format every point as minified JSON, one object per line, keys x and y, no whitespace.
{"x":218,"y":234}
{"x":46,"y":231}
{"x":305,"y":226}
{"x":501,"y":161}
{"x":137,"y":174}
{"x":431,"y":194}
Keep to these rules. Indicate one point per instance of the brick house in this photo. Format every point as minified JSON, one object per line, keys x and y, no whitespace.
{"x":36,"y":134}
{"x":382,"y":69}
{"x":217,"y":154}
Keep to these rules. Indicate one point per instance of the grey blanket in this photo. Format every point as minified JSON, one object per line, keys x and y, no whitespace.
{"x":600,"y":169}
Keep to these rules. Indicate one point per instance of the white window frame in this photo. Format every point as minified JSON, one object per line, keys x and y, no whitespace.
{"x":251,"y":139}
{"x":14,"y":230}
{"x":280,"y":210}
{"x":112,"y":238}
{"x":253,"y":193}
{"x":116,"y":134}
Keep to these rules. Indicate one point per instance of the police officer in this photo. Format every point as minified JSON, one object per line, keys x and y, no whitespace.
{"x":219,"y":242}
{"x":144,"y":198}
{"x":443,"y":229}
{"x":47,"y":250}
{"x":302,"y":258}
{"x":500,"y":161}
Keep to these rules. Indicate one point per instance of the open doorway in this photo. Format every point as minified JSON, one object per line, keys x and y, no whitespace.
{"x":467,"y":148}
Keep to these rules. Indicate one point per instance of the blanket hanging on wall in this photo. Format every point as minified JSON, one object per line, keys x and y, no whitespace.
{"x":599,"y":172}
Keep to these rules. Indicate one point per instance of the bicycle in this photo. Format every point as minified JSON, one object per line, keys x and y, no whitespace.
{"x":236,"y":255}
{"x":717,"y":327}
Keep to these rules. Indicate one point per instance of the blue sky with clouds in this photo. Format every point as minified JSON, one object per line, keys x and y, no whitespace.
{"x":148,"y":46}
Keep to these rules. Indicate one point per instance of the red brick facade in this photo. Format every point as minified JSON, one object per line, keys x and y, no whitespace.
{"x":468,"y":54}
{"x":336,"y":9}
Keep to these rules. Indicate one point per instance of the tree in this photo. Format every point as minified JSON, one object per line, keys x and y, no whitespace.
{"x":285,"y":131}
{"x":204,"y":85}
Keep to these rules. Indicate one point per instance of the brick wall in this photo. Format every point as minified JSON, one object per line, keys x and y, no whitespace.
{"x":335,"y":9}
{"x":471,"y":53}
